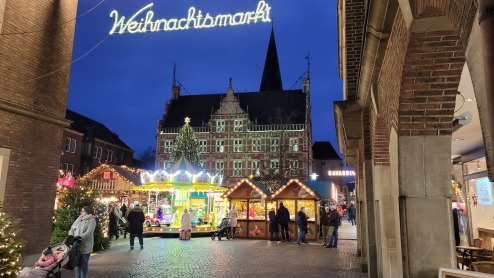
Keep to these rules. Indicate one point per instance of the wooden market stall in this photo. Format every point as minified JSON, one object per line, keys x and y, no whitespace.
{"x":295,"y":194}
{"x":250,"y":199}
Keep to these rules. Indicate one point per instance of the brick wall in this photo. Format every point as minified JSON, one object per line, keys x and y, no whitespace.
{"x":34,"y":143}
{"x":354,"y":37}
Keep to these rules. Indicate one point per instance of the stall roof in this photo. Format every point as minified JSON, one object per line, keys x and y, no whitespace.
{"x":126,"y":173}
{"x":256,"y":184}
{"x":312,"y":192}
{"x":323,"y":188}
{"x":184,"y":164}
{"x":262,"y":187}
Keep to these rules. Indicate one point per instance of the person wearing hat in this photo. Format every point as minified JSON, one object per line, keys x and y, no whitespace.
{"x":84,"y":227}
{"x":136,"y":219}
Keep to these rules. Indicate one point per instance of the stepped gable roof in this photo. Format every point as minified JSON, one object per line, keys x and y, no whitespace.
{"x":86,"y":125}
{"x":271,"y":76}
{"x":259,"y":105}
{"x":324,"y":151}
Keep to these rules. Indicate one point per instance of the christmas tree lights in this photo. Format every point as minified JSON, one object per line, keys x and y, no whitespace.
{"x":10,"y":248}
{"x":186,"y":146}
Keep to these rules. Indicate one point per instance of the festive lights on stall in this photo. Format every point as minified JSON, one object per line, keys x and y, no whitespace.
{"x":257,"y":189}
{"x":334,"y":192}
{"x":162,"y":176}
{"x":303,"y":186}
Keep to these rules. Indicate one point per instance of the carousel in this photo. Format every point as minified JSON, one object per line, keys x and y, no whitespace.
{"x":180,"y":187}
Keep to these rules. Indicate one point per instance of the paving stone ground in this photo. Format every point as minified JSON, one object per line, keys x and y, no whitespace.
{"x":203,"y":257}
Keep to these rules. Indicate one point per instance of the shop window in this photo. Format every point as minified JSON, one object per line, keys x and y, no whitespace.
{"x":237,"y":146}
{"x":241,"y":207}
{"x":220,"y":126}
{"x":309,"y":209}
{"x":256,"y":145}
{"x":290,"y":205}
{"x":256,"y":210}
{"x":293,"y":144}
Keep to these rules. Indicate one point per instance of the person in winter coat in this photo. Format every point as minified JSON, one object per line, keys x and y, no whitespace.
{"x":136,"y":219}
{"x":233,"y":220}
{"x":302,"y":225}
{"x":123,"y":210}
{"x":334,"y":223}
{"x":113,"y":225}
{"x":283,"y":216}
{"x":325,"y":225}
{"x":352,"y":212}
{"x":186,"y":224}
{"x":273,"y":225}
{"x":84,"y":227}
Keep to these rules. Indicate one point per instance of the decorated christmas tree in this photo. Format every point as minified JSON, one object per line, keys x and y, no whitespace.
{"x":186,"y":146}
{"x":10,"y":248}
{"x":70,"y":205}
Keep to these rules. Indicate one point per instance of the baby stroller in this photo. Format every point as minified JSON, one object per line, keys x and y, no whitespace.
{"x":61,"y":251}
{"x":223,"y":230}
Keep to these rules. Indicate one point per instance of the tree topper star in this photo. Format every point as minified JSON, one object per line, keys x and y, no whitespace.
{"x":187,"y":120}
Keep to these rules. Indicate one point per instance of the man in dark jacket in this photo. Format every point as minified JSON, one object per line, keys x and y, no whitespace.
{"x":334,"y":223}
{"x":325,"y":225}
{"x":352,"y":212}
{"x":302,"y":225}
{"x":283,"y":216}
{"x":136,"y":219}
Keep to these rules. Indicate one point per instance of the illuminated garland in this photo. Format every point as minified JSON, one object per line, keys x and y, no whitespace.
{"x":10,"y":249}
{"x":306,"y":188}
{"x":263,"y":195}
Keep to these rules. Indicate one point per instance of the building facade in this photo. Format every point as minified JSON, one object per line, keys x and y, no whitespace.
{"x":401,"y":64}
{"x":245,"y":134}
{"x":87,"y":144}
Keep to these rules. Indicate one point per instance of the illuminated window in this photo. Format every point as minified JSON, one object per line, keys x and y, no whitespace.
{"x":275,"y":165}
{"x":97,"y":152}
{"x":220,"y":126}
{"x":256,"y":210}
{"x":220,"y":166}
{"x":256,"y":168}
{"x":241,"y":207}
{"x":220,"y":146}
{"x":293,"y":144}
{"x":237,"y":168}
{"x":237,"y":125}
{"x":293,"y":166}
{"x":275,"y":145}
{"x":256,"y":145}
{"x":202,"y":146}
{"x":168,"y":146}
{"x":237,"y":146}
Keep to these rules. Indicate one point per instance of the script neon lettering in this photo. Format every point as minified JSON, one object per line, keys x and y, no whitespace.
{"x":141,"y":23}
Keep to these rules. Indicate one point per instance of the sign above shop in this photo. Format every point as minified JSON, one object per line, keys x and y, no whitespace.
{"x":341,"y":173}
{"x":142,"y":22}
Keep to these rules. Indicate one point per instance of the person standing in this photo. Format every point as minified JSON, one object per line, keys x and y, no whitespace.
{"x":302,"y":225}
{"x":352,"y":212}
{"x":185,"y":225}
{"x":273,"y":225}
{"x":136,"y":220}
{"x":334,"y":223}
{"x":233,"y":214}
{"x":283,"y":216}
{"x":113,"y":225}
{"x":123,"y":210}
{"x":325,"y":225}
{"x":84,"y":227}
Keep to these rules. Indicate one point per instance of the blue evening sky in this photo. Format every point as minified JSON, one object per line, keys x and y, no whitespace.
{"x":125,"y":81}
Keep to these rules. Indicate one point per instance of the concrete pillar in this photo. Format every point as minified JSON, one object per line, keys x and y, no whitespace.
{"x":425,"y":204}
{"x":389,"y":255}
{"x":361,"y":224}
{"x":370,"y":221}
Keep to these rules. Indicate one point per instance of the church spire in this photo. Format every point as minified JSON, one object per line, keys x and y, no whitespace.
{"x":271,"y":76}
{"x":175,"y":88}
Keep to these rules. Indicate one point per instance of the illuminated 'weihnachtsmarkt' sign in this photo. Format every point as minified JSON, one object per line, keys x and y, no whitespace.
{"x":142,"y":21}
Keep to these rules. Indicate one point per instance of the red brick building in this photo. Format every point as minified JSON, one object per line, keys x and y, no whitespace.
{"x":87,"y":144}
{"x":241,"y":134}
{"x":34,"y":80}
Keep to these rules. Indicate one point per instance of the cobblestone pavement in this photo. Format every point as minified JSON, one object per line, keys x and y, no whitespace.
{"x":202,"y":257}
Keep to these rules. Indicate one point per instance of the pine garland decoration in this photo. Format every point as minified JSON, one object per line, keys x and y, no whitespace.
{"x":10,"y":248}
{"x":186,"y":146}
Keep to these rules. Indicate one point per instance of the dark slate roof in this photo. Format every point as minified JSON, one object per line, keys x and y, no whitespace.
{"x":262,"y":187}
{"x":260,"y":106}
{"x":85,"y":125}
{"x":271,"y":76}
{"x":320,"y":187}
{"x":324,"y":151}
